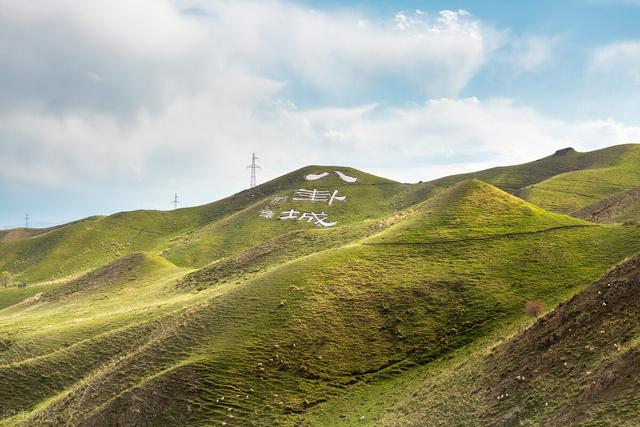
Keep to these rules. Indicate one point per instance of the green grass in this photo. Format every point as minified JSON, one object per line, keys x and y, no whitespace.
{"x":153,"y":317}
{"x":571,"y":191}
{"x":564,"y":182}
{"x":317,"y":325}
{"x":473,"y":209}
{"x":513,"y":178}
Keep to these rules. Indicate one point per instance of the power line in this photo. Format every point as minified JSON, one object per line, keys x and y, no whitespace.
{"x":253,"y":168}
{"x":175,"y":201}
{"x":26,"y":221}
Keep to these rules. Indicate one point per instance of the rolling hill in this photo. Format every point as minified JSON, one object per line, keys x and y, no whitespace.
{"x":190,"y":237}
{"x":567,"y":180}
{"x":578,"y":365}
{"x":224,"y":314}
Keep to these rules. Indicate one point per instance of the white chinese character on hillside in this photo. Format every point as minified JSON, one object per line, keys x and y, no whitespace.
{"x":278,"y":200}
{"x":319,"y":219}
{"x":346,"y":178}
{"x":312,"y":195}
{"x":291,"y":214}
{"x":318,"y":196}
{"x":266,"y":213}
{"x":315,"y":176}
{"x":335,"y":196}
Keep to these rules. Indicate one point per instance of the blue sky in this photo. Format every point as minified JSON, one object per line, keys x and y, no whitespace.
{"x":107,"y":107}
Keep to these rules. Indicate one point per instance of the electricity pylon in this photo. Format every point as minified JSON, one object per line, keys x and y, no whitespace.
{"x":253,"y":166}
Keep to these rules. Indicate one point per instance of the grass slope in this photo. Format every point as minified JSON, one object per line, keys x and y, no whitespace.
{"x":571,"y":191}
{"x":578,"y":365}
{"x":514,"y":178}
{"x":473,"y":209}
{"x":192,"y":236}
{"x":565,"y":181}
{"x":213,"y":315}
{"x":292,"y":334}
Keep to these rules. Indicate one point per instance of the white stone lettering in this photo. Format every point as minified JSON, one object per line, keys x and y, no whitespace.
{"x":291,"y":214}
{"x":314,"y":177}
{"x":335,"y":196}
{"x":319,"y":219}
{"x":266,"y":213}
{"x":346,"y":178}
{"x":312,"y":195}
{"x":278,"y":200}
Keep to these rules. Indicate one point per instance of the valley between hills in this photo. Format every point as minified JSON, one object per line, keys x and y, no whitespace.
{"x":370,"y":302}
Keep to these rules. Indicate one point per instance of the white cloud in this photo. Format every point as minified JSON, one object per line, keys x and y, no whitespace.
{"x":531,"y":52}
{"x":99,"y":91}
{"x":196,"y":141}
{"x":612,"y":81}
{"x":446,"y":136}
{"x":177,"y":94}
{"x":147,"y":52}
{"x":619,"y":60}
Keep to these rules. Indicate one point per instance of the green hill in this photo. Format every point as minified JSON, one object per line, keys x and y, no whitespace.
{"x":193,"y":236}
{"x":567,"y":180}
{"x":474,"y":209}
{"x":578,"y":365}
{"x":222,"y":314}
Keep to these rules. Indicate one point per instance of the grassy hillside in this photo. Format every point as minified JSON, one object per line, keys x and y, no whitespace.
{"x":565,"y":181}
{"x":576,"y":366}
{"x":474,"y":209}
{"x":513,"y":178}
{"x":369,"y":198}
{"x":216,"y":315}
{"x":194,"y":236}
{"x":173,"y":347}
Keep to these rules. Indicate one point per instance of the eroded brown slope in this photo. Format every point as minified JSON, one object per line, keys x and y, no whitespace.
{"x":577,"y":365}
{"x":618,"y":208}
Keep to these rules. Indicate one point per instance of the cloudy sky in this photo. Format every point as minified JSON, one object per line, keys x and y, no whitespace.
{"x":109,"y":105}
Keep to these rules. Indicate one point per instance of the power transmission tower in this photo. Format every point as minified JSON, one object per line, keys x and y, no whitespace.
{"x":175,"y":201}
{"x":253,"y":168}
{"x":26,"y":221}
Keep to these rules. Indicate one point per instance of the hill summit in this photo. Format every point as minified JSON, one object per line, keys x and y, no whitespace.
{"x":474,"y":209}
